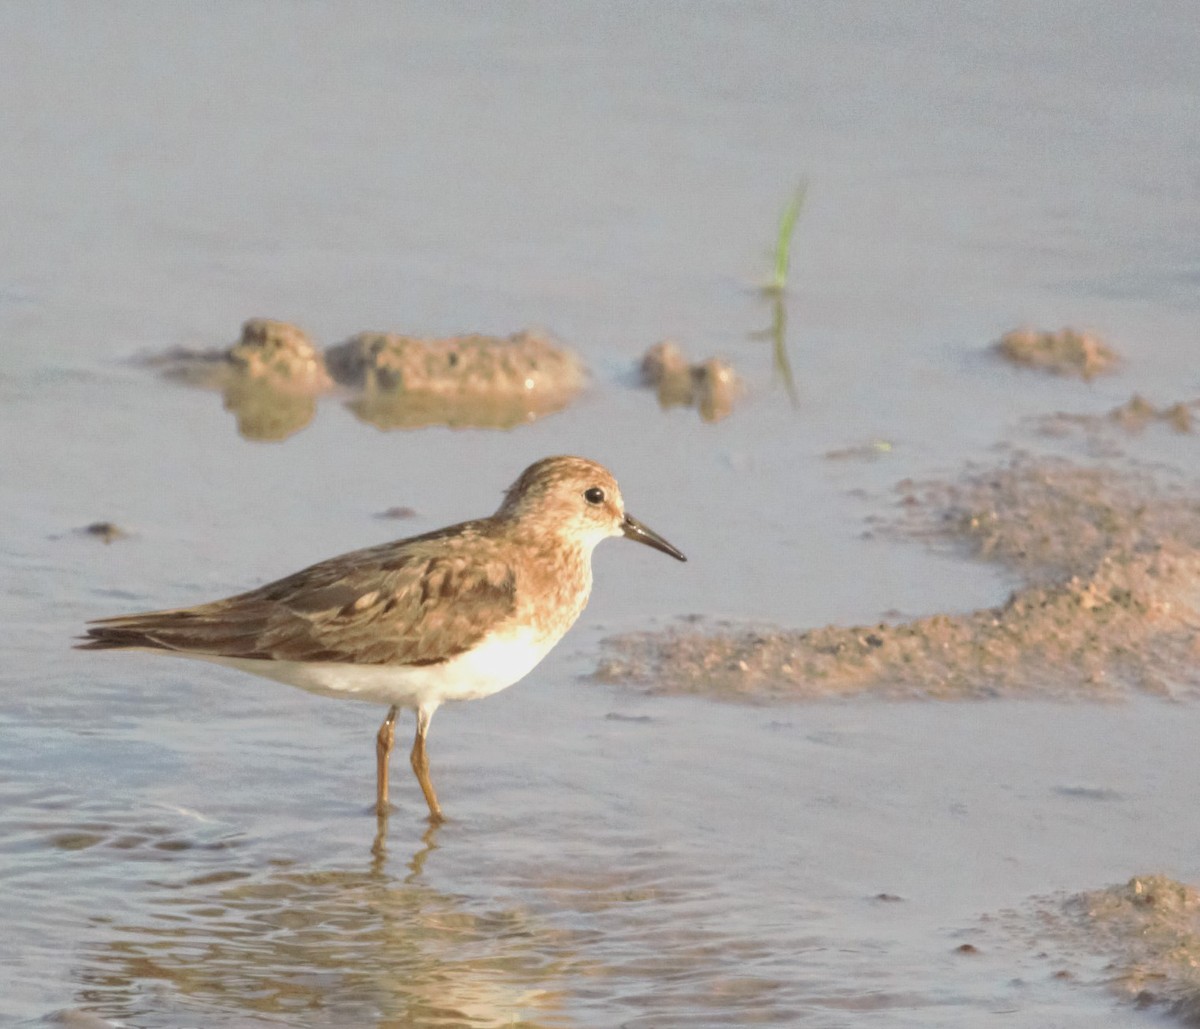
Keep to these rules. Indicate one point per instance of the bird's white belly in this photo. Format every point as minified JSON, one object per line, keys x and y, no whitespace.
{"x":493,"y":665}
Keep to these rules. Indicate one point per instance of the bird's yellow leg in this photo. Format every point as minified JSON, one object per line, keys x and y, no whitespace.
{"x":383,"y":751}
{"x":420,"y":764}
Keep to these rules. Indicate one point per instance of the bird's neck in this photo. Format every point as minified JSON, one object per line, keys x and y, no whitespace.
{"x":558,"y":580}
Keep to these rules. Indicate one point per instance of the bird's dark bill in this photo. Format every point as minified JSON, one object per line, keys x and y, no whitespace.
{"x":635,"y":530}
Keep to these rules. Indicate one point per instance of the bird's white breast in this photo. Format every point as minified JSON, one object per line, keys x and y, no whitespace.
{"x":493,"y":665}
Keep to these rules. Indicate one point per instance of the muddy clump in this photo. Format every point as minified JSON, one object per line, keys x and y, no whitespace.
{"x":712,"y":386}
{"x":461,"y":381}
{"x":280,"y":353}
{"x":1110,"y":602}
{"x":268,"y":379}
{"x":1148,"y":932}
{"x":1065,"y":352}
{"x":268,"y":351}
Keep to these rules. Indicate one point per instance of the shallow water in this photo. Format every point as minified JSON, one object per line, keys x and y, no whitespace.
{"x":611,"y":860}
{"x":183,"y":846}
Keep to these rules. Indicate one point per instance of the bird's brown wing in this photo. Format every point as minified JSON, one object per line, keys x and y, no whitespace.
{"x":419,"y":601}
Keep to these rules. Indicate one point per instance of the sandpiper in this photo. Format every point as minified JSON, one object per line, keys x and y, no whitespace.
{"x":456,"y":614}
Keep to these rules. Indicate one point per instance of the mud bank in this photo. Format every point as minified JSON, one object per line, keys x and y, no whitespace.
{"x":1110,"y":602}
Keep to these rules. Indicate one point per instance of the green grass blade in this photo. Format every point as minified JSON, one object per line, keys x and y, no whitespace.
{"x":783,"y":247}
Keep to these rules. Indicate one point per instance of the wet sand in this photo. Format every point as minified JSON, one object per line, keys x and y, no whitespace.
{"x":1110,"y":602}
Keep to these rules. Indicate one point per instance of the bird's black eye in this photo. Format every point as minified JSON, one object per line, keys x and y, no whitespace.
{"x":595,"y":495}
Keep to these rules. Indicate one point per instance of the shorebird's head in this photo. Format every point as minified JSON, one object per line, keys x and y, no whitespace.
{"x":577,"y":498}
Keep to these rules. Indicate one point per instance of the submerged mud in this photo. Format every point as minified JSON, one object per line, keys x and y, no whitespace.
{"x":1146,"y":930}
{"x":1110,"y":602}
{"x":1136,"y":415}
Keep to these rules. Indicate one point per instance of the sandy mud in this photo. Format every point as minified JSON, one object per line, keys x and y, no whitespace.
{"x":1110,"y":602}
